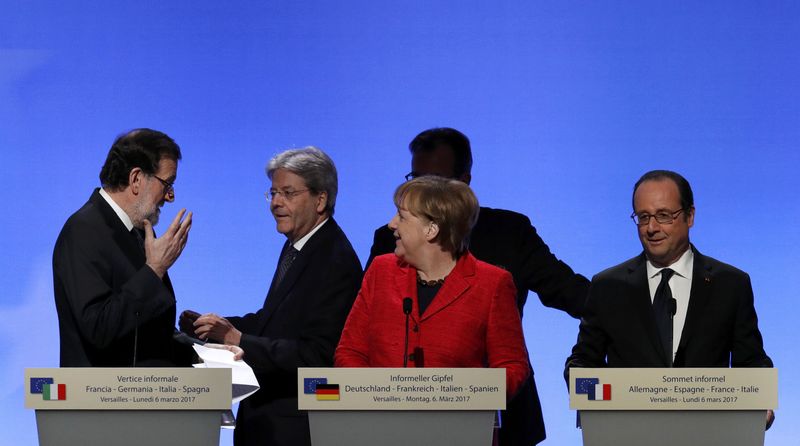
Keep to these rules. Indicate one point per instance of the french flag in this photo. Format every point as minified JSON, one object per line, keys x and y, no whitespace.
{"x":602,"y":392}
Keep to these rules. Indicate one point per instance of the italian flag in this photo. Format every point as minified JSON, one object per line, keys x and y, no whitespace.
{"x":54,"y":392}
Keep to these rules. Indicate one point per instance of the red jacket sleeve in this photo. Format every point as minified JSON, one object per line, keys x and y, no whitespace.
{"x":353,"y":348}
{"x":505,"y":343}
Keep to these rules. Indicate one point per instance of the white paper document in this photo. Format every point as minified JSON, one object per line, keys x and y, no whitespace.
{"x":244,"y":380}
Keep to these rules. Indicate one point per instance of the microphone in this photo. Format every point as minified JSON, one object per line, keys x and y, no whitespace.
{"x":135,"y":338}
{"x":407,"y":305}
{"x":672,"y":305}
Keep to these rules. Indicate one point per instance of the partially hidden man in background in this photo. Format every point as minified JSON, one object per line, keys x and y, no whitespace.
{"x":301,"y":320}
{"x":506,"y":239}
{"x":115,"y":302}
{"x":670,"y":306}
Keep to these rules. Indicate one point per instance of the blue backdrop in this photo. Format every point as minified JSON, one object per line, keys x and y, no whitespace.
{"x":566,"y":103}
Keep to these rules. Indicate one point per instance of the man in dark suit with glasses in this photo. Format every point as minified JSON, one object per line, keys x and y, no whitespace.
{"x":315,"y":283}
{"x":670,"y":306}
{"x":115,"y":303}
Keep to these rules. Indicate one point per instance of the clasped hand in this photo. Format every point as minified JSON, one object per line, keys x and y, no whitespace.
{"x":209,"y":326}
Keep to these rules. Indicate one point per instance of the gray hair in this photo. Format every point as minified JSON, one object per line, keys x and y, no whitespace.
{"x":313,"y":166}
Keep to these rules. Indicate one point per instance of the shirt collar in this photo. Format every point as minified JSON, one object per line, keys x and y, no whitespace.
{"x":298,"y":245}
{"x":682,"y":266}
{"x":126,"y":220}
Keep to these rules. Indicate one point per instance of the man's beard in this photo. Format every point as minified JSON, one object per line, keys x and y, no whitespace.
{"x":153,"y":216}
{"x":146,"y":211}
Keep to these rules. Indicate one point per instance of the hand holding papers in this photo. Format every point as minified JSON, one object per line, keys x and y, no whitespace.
{"x":237,"y":351}
{"x":219,"y":356}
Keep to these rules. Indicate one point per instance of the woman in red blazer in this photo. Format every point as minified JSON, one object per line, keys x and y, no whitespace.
{"x":463,"y":312}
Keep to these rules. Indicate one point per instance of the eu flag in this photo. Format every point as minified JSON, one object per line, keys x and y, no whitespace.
{"x":585,"y":386}
{"x":310,"y":384}
{"x":37,"y":384}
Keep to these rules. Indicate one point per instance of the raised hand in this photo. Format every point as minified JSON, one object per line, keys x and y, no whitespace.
{"x":163,"y":251}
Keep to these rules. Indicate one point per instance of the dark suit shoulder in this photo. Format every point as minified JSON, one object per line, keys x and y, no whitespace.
{"x":717,"y":267}
{"x":88,"y":214}
{"x":619,"y":271}
{"x":503,"y":215}
{"x":498,"y":219}
{"x":487,"y":270}
{"x":87,"y":225}
{"x":332,"y":239}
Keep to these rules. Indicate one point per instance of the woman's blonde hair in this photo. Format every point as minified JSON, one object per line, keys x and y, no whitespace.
{"x":449,"y":203}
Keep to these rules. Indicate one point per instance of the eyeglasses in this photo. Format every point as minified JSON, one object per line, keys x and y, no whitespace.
{"x":411,"y":175}
{"x":169,"y":186}
{"x":663,"y":217}
{"x":288,"y":195}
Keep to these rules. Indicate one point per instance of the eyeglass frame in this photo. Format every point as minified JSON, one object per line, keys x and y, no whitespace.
{"x":288,"y":195}
{"x":411,"y":175}
{"x":169,"y":186}
{"x":637,"y":219}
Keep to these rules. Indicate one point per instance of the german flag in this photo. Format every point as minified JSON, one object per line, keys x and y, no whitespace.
{"x":327,"y":392}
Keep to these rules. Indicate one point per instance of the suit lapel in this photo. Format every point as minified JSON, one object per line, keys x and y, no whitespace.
{"x":643,"y":306}
{"x":125,"y":239}
{"x":275,"y":274}
{"x":457,"y":283}
{"x":280,"y":292}
{"x":699,"y":296}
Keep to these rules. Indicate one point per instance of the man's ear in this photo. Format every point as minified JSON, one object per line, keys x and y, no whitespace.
{"x":322,"y":201}
{"x":135,"y":180}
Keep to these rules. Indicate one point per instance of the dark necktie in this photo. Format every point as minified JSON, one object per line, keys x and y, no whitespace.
{"x":139,"y":237}
{"x":289,"y":254}
{"x":664,"y":309}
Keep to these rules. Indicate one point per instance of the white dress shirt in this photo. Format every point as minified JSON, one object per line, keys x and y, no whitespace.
{"x":298,"y":245}
{"x":118,"y":210}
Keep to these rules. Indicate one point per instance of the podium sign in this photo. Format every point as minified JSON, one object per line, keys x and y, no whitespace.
{"x":401,"y":389}
{"x":127,"y":388}
{"x":671,"y":406}
{"x":401,"y":407}
{"x":128,"y":406}
{"x":673,"y":389}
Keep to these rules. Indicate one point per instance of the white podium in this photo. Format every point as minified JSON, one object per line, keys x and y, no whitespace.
{"x":128,"y":406}
{"x":670,"y":406}
{"x":402,"y":406}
